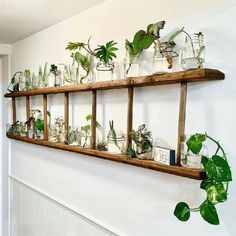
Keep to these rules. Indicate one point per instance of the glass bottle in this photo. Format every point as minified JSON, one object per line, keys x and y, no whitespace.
{"x":22,"y":82}
{"x":193,"y":52}
{"x":131,"y":66}
{"x":117,"y":145}
{"x":162,"y":63}
{"x":85,"y":139}
{"x":57,"y":79}
{"x":105,"y":71}
{"x":189,"y":159}
{"x":35,"y":84}
{"x":73,"y":137}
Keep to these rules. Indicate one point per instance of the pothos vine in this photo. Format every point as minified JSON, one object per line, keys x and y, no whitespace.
{"x":218,"y":176}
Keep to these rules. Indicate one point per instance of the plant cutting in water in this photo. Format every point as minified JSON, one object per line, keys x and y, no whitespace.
{"x":84,"y":60}
{"x":14,"y":84}
{"x":28,"y":81}
{"x":57,"y":131}
{"x":106,"y":53}
{"x":43,"y":75}
{"x":199,"y":35}
{"x":218,"y":176}
{"x":86,"y":130}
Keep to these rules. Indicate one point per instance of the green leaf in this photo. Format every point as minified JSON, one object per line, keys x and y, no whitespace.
{"x":206,"y":183}
{"x":175,"y":34}
{"x":130,"y":153}
{"x":154,"y":29}
{"x":39,"y":124}
{"x":182,"y":211}
{"x":209,"y":213}
{"x":216,"y":193}
{"x":204,"y":160}
{"x":86,"y":128}
{"x":194,"y":143}
{"x":217,"y":168}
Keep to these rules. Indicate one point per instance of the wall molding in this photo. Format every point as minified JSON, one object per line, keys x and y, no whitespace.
{"x":91,"y":220}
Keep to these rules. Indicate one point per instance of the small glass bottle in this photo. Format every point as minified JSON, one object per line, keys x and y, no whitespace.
{"x":131,"y":66}
{"x":189,"y":159}
{"x":193,"y":52}
{"x":85,"y":140}
{"x":22,"y":82}
{"x":57,"y":79}
{"x":160,"y":61}
{"x":105,"y":71}
{"x":73,"y":137}
{"x":117,"y":145}
{"x":35,"y":83}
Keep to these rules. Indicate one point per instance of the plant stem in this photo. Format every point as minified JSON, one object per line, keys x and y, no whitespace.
{"x":191,"y":41}
{"x":197,"y":209}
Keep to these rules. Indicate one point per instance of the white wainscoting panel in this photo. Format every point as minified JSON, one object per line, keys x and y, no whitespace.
{"x":34,"y":214}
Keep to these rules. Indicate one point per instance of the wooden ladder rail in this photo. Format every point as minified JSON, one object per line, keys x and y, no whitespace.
{"x":129,"y":116}
{"x":94,"y":119}
{"x":182,"y":118}
{"x":45,"y":117}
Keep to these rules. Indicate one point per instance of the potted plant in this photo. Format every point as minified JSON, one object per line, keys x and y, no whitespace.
{"x":28,"y":79}
{"x":43,"y":76}
{"x":85,"y":61}
{"x":57,"y":131}
{"x":57,"y":75}
{"x":218,"y":176}
{"x":163,"y":51}
{"x":105,"y":66}
{"x":85,"y":133}
{"x":116,"y":140}
{"x":143,"y":141}
{"x":193,"y":51}
{"x":14,"y":84}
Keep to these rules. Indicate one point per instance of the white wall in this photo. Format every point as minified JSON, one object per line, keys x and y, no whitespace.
{"x":130,"y":200}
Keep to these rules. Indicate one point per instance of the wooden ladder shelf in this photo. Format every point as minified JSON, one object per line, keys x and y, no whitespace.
{"x":183,"y":78}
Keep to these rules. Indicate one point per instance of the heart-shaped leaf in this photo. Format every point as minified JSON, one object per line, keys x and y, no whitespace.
{"x":182,"y":211}
{"x":194,"y":143}
{"x":216,"y":193}
{"x":209,"y":213}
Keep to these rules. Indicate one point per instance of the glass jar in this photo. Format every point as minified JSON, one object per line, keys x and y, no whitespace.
{"x":131,"y":66}
{"x":105,"y":71}
{"x":85,"y":140}
{"x":28,"y":81}
{"x":35,"y":83}
{"x":57,"y":79}
{"x":73,"y":137}
{"x":144,"y":151}
{"x":8,"y":129}
{"x":193,"y":52}
{"x":22,"y":82}
{"x":117,"y":145}
{"x":189,"y":159}
{"x":163,"y":58}
{"x":70,"y":75}
{"x":23,"y":130}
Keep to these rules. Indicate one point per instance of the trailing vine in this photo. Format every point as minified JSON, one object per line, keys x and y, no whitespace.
{"x":218,"y":176}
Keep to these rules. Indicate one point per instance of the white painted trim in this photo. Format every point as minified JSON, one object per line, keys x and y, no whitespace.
{"x":91,"y":220}
{"x":5,"y":49}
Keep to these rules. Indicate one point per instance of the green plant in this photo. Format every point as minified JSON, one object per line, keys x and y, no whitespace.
{"x":87,"y":129}
{"x":201,"y":47}
{"x":143,"y":40}
{"x":14,"y":84}
{"x":105,"y":53}
{"x":54,"y":70}
{"x":43,"y":72}
{"x":142,"y":138}
{"x":130,"y":153}
{"x":101,"y":146}
{"x":218,"y":176}
{"x":86,"y":63}
{"x":28,"y":81}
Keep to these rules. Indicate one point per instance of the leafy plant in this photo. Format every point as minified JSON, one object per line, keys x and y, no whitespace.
{"x":142,"y":138}
{"x":43,"y":72}
{"x":218,"y":176}
{"x":28,"y":81}
{"x":195,"y":54}
{"x":54,"y":70}
{"x":106,"y":52}
{"x":14,"y":84}
{"x":85,"y":62}
{"x":87,"y":129}
{"x":69,"y":73}
{"x":130,"y":153}
{"x":101,"y":146}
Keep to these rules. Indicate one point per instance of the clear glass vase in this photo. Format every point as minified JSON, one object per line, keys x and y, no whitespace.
{"x":23,"y":130}
{"x":73,"y":137}
{"x":163,"y":58}
{"x":105,"y":71}
{"x":35,"y":82}
{"x":116,"y":145}
{"x":70,"y":75}
{"x":57,"y":79}
{"x":193,"y":52}
{"x":22,"y":82}
{"x":131,"y":66}
{"x":189,"y":159}
{"x":144,"y":152}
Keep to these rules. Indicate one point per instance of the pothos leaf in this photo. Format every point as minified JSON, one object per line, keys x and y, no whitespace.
{"x":217,"y":168}
{"x":216,"y":193}
{"x":182,"y":211}
{"x":194,"y":143}
{"x":154,"y":29}
{"x":175,"y":34}
{"x":209,"y":213}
